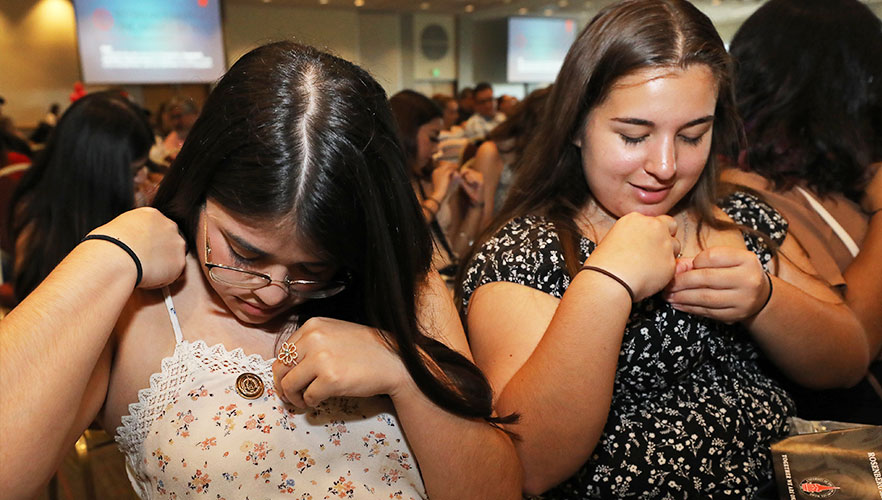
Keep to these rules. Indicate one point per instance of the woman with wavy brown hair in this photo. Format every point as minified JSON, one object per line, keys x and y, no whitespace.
{"x":619,"y":304}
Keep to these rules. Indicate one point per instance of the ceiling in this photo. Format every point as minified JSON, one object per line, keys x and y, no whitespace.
{"x":496,"y":8}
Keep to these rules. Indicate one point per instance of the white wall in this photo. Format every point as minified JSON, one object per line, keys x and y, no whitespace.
{"x":380,"y":49}
{"x":248,"y":25}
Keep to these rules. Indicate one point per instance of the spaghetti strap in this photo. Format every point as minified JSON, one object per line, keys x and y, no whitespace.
{"x":831,"y":221}
{"x":173,"y":316}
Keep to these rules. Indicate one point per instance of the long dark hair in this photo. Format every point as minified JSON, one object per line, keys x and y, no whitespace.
{"x":412,"y":110}
{"x":303,"y":138}
{"x":621,"y":39}
{"x":81,"y":180}
{"x":808,"y":80}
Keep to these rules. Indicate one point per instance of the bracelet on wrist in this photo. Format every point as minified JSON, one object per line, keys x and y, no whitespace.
{"x":125,"y":247}
{"x":610,"y":275}
{"x":768,"y":297}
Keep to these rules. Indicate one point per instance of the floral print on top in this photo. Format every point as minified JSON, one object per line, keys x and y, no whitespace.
{"x":192,"y":435}
{"x":692,"y":415}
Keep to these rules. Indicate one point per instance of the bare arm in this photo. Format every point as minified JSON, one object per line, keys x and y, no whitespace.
{"x":54,"y":355}
{"x":804,"y":326}
{"x":577,"y":342}
{"x":459,"y":458}
{"x":488,"y":161}
{"x":863,"y":292}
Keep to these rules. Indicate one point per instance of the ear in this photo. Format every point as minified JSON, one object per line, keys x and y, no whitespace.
{"x":579,"y":135}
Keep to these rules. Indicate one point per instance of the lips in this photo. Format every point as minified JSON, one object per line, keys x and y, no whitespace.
{"x":253,"y":310}
{"x":651,"y":194}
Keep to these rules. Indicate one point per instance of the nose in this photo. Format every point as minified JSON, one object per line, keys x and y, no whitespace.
{"x":273,"y":294}
{"x":662,"y":162}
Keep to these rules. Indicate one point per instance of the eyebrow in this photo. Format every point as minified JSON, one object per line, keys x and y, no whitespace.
{"x":260,"y":254}
{"x":244,"y":245}
{"x":647,"y":123}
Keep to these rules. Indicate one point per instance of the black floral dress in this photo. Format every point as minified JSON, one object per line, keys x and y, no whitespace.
{"x":692,"y":414}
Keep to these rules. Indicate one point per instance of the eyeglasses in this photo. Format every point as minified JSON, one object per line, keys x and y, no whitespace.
{"x":252,"y":280}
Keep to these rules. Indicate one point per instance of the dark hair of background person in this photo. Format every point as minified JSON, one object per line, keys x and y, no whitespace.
{"x":482,"y":87}
{"x":81,"y":180}
{"x":808,"y":82}
{"x":441,"y":100}
{"x":294,"y":137}
{"x":518,"y":127}
{"x":466,"y":92}
{"x":622,"y":38}
{"x":411,"y":110}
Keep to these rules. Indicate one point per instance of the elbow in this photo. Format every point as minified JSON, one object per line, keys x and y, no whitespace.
{"x":538,"y":481}
{"x":536,"y":486}
{"x":846,"y":373}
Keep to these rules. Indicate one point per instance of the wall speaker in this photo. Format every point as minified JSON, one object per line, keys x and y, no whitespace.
{"x":434,"y":42}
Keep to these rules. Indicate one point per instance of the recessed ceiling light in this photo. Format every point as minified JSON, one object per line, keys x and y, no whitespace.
{"x":359,"y":3}
{"x":563,"y":3}
{"x":267,"y":1}
{"x":469,"y":8}
{"x":522,"y":11}
{"x":324,"y":2}
{"x":425,"y":6}
{"x":548,"y":12}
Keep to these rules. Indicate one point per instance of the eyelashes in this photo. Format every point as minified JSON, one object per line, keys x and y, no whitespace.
{"x":692,"y":141}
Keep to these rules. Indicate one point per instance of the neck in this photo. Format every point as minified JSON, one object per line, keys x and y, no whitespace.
{"x":594,"y":221}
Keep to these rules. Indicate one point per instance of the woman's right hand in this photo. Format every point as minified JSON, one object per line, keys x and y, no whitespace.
{"x":641,"y":250}
{"x":443,"y":180}
{"x":155,"y":240}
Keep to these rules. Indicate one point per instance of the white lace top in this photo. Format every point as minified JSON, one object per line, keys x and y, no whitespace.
{"x":193,"y":433}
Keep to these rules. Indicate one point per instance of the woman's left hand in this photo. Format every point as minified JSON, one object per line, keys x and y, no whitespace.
{"x":722,"y":283}
{"x":473,"y":185}
{"x":338,"y":358}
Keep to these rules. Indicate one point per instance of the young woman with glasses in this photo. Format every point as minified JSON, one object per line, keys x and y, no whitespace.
{"x":306,"y":349}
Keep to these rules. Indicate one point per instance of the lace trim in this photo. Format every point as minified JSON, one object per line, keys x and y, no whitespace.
{"x":187,"y":359}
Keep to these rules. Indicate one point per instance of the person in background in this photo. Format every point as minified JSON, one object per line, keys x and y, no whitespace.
{"x":618,"y":292}
{"x":451,"y":198}
{"x":451,"y":140}
{"x":13,"y":140}
{"x":810,"y":94}
{"x":498,"y":156}
{"x":485,"y":117}
{"x":466,"y":104}
{"x":46,"y":125}
{"x":306,"y":349}
{"x":506,"y":104}
{"x":181,"y":114}
{"x":449,"y":114}
{"x":86,"y":176}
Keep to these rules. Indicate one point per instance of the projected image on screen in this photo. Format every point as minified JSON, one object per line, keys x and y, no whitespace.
{"x":537,"y":47}
{"x":160,"y":41}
